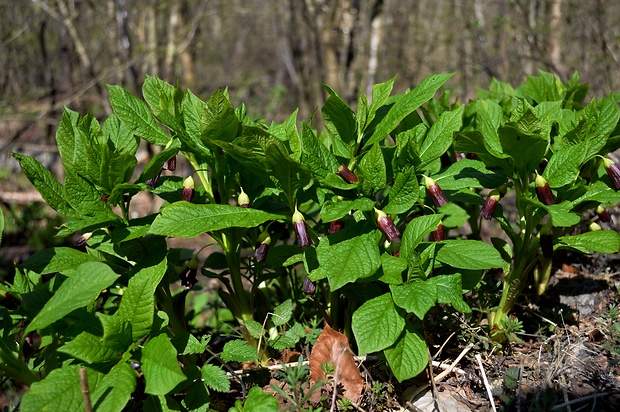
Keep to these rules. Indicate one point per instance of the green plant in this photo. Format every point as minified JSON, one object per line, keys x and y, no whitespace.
{"x":297,"y":379}
{"x":370,"y":201}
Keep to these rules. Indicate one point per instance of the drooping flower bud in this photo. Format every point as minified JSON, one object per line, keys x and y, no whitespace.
{"x":346,"y":174}
{"x":188,"y":189}
{"x":595,"y":226}
{"x":243,"y":200}
{"x":490,"y":204}
{"x":299,"y":224}
{"x":613,"y":170}
{"x":386,"y":225}
{"x":171,"y":164}
{"x":439,"y":234}
{"x":262,"y":246}
{"x":83,"y":239}
{"x":392,"y":247}
{"x":335,"y":226}
{"x":543,"y":191}
{"x":546,"y":245}
{"x":308,"y":287}
{"x":188,"y":277}
{"x":104,"y":198}
{"x":435,"y":192}
{"x":603,"y":214}
{"x":153,"y":181}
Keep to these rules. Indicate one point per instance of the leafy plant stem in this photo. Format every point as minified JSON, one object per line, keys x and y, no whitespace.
{"x":164,"y":300}
{"x":13,"y":367}
{"x":232,"y":251}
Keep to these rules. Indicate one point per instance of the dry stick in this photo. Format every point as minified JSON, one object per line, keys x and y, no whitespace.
{"x":448,"y":370}
{"x":88,"y":406}
{"x":486,"y":382}
{"x":594,"y":396}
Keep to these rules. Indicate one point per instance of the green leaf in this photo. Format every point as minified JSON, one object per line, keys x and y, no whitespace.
{"x":50,"y":189}
{"x":403,"y":193}
{"x":119,"y":136}
{"x":56,"y":259}
{"x":602,"y":241}
{"x":186,"y":344}
{"x":153,"y":167}
{"x":316,"y":156}
{"x":560,"y":213}
{"x":345,"y":262}
{"x":468,"y":173}
{"x":160,"y":366}
{"x":287,"y":174}
{"x":439,"y":137}
{"x":59,"y":391}
{"x":114,"y":390}
{"x":192,"y":113}
{"x":527,"y":150}
{"x":405,"y":105}
{"x":77,"y":291}
{"x":282,"y":313}
{"x":409,"y":356}
{"x":339,"y":118}
{"x":257,"y":401}
{"x":254,"y":328}
{"x":380,"y":93}
{"x":333,"y":210}
{"x":88,"y":348}
{"x":138,"y":303}
{"x":415,"y":232}
{"x":377,"y":324}
{"x":218,"y":121}
{"x":469,"y":254}
{"x":215,"y":378}
{"x":599,"y":192}
{"x":160,"y":97}
{"x":83,"y":196}
{"x":186,"y":220}
{"x":449,"y":290}
{"x":372,"y":171}
{"x":564,"y":165}
{"x":415,"y":297}
{"x":392,"y":268}
{"x":135,"y":114}
{"x":490,"y":118}
{"x":238,"y":351}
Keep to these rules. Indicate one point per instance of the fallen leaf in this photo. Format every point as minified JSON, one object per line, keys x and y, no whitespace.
{"x":332,"y":347}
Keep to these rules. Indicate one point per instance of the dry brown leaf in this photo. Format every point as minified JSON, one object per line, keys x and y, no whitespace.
{"x":332,"y":347}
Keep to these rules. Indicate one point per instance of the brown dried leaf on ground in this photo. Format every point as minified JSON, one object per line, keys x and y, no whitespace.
{"x":332,"y":347}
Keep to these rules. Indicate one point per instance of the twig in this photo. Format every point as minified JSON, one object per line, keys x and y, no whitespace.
{"x":88,"y":406}
{"x":582,"y":399}
{"x":449,"y":369}
{"x":486,"y":382}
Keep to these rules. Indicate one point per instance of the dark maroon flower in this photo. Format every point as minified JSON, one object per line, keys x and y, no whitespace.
{"x":188,"y":277}
{"x":171,"y":164}
{"x":543,"y":191}
{"x":83,"y":239}
{"x":546,"y":245}
{"x":262,"y":246}
{"x":335,"y":226}
{"x":243,"y":200}
{"x":104,"y":198}
{"x":613,"y":170}
{"x":439,"y":234}
{"x":603,"y":214}
{"x":299,"y":224}
{"x":435,"y":192}
{"x":346,"y":174}
{"x":308,"y":287}
{"x":386,"y":225}
{"x":153,"y":181}
{"x":188,"y":189}
{"x":490,"y":204}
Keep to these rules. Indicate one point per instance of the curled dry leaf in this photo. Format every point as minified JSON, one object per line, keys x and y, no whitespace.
{"x":332,"y":347}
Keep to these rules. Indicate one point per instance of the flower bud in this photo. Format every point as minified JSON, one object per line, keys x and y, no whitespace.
{"x":153,"y":181}
{"x":386,"y":225}
{"x":335,"y":226}
{"x":439,"y":234}
{"x":490,"y":204}
{"x":104,"y":198}
{"x":262,"y":246}
{"x":613,"y":170}
{"x":188,"y":277}
{"x":243,"y":200}
{"x":595,"y":226}
{"x":171,"y":164}
{"x":83,"y":239}
{"x":308,"y":287}
{"x":435,"y":192}
{"x":188,"y":189}
{"x":392,"y":247}
{"x":543,"y":191}
{"x":603,"y":214}
{"x":346,"y":174}
{"x":546,"y":245}
{"x":299,"y":224}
